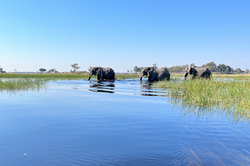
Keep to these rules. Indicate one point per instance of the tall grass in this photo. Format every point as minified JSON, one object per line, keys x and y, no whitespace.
{"x":230,"y":95}
{"x":22,"y":84}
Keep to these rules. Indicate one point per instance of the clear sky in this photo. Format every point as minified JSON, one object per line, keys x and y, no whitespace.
{"x":123,"y":33}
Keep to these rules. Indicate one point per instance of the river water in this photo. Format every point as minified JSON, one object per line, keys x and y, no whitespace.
{"x":121,"y":123}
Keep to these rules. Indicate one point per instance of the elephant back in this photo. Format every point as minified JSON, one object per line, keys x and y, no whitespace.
{"x":163,"y":74}
{"x":109,"y":70}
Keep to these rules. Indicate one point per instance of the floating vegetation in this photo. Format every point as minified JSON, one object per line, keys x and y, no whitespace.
{"x":227,"y":95}
{"x":21,"y":84}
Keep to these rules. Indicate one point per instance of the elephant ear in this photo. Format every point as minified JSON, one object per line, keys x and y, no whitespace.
{"x":100,"y":72}
{"x":189,"y":69}
{"x":151,"y":71}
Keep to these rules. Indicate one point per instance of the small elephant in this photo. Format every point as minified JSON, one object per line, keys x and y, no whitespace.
{"x":154,"y":74}
{"x":102,"y":73}
{"x":197,"y":72}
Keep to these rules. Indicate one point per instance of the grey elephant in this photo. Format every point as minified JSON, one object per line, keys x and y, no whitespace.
{"x":197,"y":72}
{"x":102,"y":73}
{"x":154,"y":74}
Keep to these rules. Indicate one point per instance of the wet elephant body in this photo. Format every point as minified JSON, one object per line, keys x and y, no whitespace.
{"x":154,"y":74}
{"x":102,"y":73}
{"x":196,"y":72}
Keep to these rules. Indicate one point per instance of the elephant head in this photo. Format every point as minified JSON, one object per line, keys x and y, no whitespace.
{"x":96,"y":71}
{"x":191,"y":70}
{"x":147,"y":71}
{"x":188,"y":70}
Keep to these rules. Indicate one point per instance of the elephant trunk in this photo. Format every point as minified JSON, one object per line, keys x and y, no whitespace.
{"x":185,"y":76}
{"x":90,"y":74}
{"x":141,"y":75}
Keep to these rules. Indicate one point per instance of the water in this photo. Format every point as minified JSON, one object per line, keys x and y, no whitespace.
{"x":117,"y":123}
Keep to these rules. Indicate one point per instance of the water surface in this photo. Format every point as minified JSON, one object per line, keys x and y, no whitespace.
{"x":115,"y":123}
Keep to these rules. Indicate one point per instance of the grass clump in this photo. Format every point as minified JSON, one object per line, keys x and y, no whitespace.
{"x":232,"y":95}
{"x":22,"y":84}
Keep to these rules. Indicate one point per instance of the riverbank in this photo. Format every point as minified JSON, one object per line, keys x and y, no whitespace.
{"x":63,"y":76}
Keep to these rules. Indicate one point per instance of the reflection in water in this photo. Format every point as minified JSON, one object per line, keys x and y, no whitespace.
{"x":202,"y":113}
{"x":103,"y":86}
{"x":147,"y":90}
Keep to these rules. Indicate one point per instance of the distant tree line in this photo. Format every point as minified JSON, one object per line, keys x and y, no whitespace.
{"x":224,"y":69}
{"x":53,"y":70}
{"x":221,"y":68}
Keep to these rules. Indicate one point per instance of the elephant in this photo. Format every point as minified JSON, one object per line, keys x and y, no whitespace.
{"x":154,"y":74}
{"x":102,"y":73}
{"x":197,"y":72}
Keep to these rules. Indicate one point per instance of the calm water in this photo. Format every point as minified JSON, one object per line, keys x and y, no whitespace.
{"x":121,"y":123}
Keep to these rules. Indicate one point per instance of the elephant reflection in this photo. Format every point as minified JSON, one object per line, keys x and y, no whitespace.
{"x":102,"y":87}
{"x":146,"y":89}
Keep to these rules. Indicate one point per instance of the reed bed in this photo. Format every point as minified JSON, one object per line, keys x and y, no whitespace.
{"x":53,"y":76}
{"x":22,"y":84}
{"x":230,"y":95}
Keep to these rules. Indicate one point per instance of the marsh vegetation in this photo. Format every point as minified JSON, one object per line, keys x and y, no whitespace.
{"x":230,"y":94}
{"x":46,"y":76}
{"x":12,"y":82}
{"x":22,"y":84}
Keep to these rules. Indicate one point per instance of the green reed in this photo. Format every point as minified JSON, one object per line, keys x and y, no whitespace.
{"x":230,"y":95}
{"x":21,"y":84}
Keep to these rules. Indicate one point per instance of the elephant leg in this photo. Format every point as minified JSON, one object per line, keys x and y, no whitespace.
{"x":150,"y":79}
{"x":99,"y":78}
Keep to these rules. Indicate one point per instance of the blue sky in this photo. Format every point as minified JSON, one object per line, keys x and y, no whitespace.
{"x":123,"y":34}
